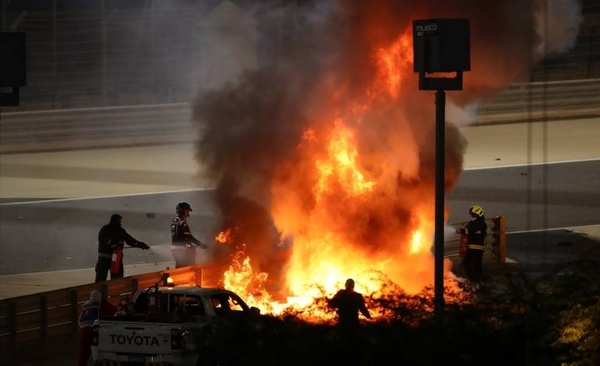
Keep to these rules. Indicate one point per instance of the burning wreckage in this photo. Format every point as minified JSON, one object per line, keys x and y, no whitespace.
{"x":324,"y":161}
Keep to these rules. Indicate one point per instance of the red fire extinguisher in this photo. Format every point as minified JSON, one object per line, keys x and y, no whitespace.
{"x":117,"y":259}
{"x":156,"y":300}
{"x":464,"y":243}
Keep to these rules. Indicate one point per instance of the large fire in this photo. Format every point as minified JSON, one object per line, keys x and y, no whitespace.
{"x":323,"y":157}
{"x":341,"y":210}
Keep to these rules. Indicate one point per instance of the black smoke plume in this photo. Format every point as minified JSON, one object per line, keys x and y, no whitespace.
{"x":254,"y":124}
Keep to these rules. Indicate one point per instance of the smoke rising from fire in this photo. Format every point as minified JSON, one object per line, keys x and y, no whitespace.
{"x":329,"y":150}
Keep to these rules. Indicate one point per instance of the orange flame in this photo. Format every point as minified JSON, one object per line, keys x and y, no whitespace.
{"x":343,"y":212}
{"x":340,"y":164}
{"x":392,"y":63}
{"x":224,"y":237}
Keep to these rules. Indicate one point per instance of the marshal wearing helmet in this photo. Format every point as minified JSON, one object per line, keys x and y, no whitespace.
{"x":112,"y":237}
{"x":183,"y":243}
{"x":476,"y":230}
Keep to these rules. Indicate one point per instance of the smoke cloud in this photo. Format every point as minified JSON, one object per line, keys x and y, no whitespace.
{"x":254,"y":130}
{"x":557,"y":25}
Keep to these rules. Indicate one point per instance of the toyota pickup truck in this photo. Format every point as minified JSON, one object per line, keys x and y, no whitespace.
{"x":171,"y":326}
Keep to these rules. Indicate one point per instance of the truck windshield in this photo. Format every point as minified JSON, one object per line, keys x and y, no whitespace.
{"x":187,"y":304}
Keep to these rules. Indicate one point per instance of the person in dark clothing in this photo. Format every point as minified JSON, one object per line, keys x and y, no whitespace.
{"x":91,"y":311}
{"x":476,"y":230}
{"x":183,"y":243}
{"x":112,"y":237}
{"x":348,"y":304}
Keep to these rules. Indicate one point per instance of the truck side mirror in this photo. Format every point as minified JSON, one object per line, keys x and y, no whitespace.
{"x":255,"y":310}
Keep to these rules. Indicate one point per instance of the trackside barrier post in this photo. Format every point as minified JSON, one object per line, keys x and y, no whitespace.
{"x":198,"y":276}
{"x":495,"y":237}
{"x":104,"y":290}
{"x":43,"y":318}
{"x":9,"y":312}
{"x":134,"y":285}
{"x":74,"y":314}
{"x":497,"y":234}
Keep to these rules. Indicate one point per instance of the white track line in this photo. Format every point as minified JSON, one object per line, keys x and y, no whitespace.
{"x":564,"y":228}
{"x":533,"y":164}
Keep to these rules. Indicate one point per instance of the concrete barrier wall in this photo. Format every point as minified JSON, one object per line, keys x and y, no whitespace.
{"x":542,"y":102}
{"x":90,"y":128}
{"x":140,"y":125}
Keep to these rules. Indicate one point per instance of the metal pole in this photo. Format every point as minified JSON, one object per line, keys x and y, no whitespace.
{"x":104,"y":53}
{"x":156,"y":86}
{"x":54,"y":57}
{"x":440,"y":131}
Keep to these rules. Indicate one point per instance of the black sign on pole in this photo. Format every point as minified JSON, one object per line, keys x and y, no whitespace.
{"x":440,"y":47}
{"x":12,"y":67}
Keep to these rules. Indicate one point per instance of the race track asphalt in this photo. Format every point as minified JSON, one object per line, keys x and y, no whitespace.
{"x":143,"y":170}
{"x":172,"y":168}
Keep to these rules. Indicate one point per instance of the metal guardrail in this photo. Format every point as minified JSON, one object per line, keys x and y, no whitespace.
{"x":52,"y":316}
{"x":105,"y":127}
